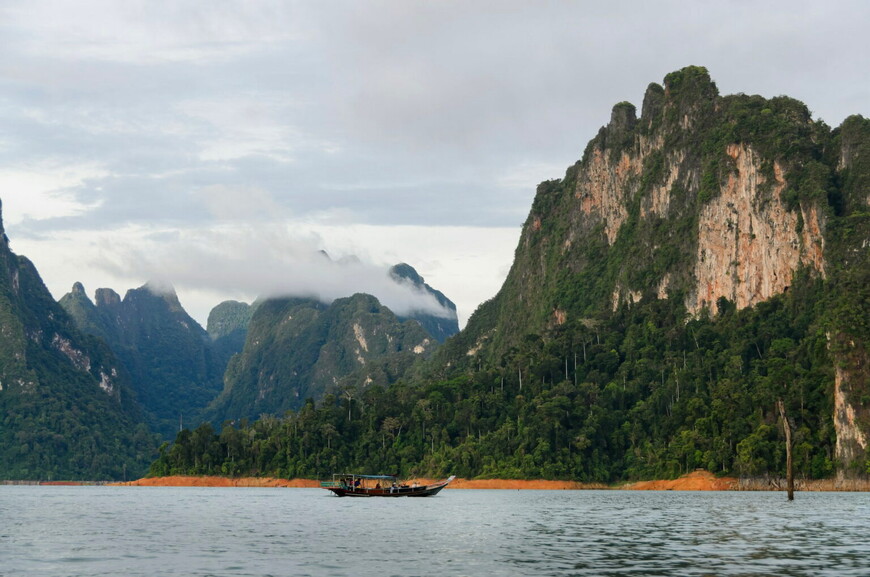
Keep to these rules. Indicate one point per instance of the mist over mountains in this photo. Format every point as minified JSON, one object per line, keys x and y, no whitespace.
{"x":268,"y":260}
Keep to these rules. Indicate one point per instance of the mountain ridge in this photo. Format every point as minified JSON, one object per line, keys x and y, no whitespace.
{"x":174,"y":367}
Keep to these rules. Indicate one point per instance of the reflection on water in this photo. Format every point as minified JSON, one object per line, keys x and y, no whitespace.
{"x":48,"y":531}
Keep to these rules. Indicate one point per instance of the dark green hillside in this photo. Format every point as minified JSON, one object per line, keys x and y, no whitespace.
{"x":66,"y":407}
{"x":299,"y":348}
{"x":635,"y":396}
{"x":175,"y":369}
{"x":228,"y":326}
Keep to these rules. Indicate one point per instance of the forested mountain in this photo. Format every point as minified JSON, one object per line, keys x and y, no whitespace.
{"x":708,"y":203}
{"x":67,"y":410}
{"x":178,"y":368}
{"x":228,"y":321}
{"x":175,"y":367}
{"x":298,"y":348}
{"x":699,"y":265}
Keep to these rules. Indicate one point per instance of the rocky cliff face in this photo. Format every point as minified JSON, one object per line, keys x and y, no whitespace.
{"x":702,"y":198}
{"x":848,"y":253}
{"x":749,"y":243}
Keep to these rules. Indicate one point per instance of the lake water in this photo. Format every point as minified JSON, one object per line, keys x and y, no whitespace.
{"x":143,"y":531}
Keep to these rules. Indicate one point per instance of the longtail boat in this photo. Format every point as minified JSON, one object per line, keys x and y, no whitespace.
{"x":351,"y":485}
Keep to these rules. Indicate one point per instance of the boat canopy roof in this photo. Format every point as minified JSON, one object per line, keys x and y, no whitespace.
{"x":355,"y":476}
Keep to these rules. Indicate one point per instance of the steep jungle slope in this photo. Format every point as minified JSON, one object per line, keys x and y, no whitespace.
{"x":298,"y":348}
{"x":67,"y":408}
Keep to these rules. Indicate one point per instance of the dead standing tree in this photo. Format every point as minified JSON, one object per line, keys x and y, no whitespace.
{"x":789,"y":471}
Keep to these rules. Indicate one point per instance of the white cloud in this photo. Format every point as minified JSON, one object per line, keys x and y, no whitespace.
{"x":238,"y":203}
{"x":280,"y":260}
{"x":244,"y":125}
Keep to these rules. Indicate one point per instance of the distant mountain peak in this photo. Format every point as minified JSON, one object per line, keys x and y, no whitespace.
{"x":106,"y":297}
{"x":167,"y":353}
{"x":440,"y":325}
{"x":406,"y":271}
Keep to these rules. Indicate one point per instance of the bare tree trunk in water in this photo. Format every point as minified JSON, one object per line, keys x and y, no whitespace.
{"x":789,"y":472}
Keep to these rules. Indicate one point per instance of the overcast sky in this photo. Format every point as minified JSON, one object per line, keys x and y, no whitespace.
{"x":218,"y":144}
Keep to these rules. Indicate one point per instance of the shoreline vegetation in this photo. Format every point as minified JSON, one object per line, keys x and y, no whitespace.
{"x":695,"y":481}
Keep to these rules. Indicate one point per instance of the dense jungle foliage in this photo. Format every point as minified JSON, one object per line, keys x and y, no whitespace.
{"x":639,"y":393}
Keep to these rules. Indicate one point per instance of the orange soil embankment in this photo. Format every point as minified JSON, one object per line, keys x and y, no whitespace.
{"x":509,"y":484}
{"x":184,"y":481}
{"x":181,"y":481}
{"x":695,"y":481}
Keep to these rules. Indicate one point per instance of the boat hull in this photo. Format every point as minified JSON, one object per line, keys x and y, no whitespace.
{"x":422,"y":491}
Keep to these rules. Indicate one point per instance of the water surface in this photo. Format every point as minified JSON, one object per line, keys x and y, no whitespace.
{"x":149,"y":531}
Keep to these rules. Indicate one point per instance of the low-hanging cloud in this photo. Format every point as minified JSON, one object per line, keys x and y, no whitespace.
{"x":267,"y":260}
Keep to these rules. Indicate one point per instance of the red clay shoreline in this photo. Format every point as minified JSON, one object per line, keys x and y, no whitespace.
{"x":696,"y":481}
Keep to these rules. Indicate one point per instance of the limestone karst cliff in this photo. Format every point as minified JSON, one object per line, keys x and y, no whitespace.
{"x":707,"y":202}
